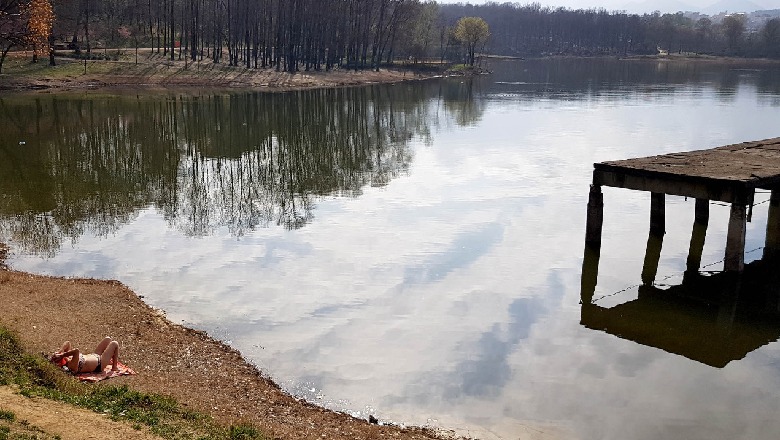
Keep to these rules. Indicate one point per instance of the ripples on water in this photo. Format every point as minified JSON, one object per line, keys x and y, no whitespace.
{"x":415,"y":251}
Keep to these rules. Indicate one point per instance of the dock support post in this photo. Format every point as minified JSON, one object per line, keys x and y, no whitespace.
{"x":735,"y":240}
{"x":772,"y":244}
{"x":698,"y":235}
{"x":655,"y":240}
{"x":595,"y":218}
{"x":657,"y":213}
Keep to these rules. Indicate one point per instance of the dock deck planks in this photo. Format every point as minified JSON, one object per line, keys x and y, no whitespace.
{"x":729,"y":174}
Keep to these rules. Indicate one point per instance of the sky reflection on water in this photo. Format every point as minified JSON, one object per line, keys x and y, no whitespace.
{"x":449,"y":293}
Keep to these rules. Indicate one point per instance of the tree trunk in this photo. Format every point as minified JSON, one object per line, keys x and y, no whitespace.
{"x":51,"y":50}
{"x":173,"y":35}
{"x":3,"y":54}
{"x":86,"y":26}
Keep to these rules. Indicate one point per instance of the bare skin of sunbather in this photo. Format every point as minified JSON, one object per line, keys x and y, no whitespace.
{"x":106,"y":352}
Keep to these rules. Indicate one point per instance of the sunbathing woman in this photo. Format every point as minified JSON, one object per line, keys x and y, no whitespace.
{"x":76,"y":362}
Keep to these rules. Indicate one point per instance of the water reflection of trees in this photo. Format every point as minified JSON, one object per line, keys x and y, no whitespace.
{"x":69,"y":166}
{"x":74,"y":165}
{"x":462,"y":100}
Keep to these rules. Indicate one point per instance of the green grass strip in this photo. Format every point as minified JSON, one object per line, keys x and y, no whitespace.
{"x":35,"y":376}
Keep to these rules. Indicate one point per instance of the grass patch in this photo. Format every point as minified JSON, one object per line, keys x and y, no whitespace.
{"x":459,"y":68}
{"x":243,"y":432}
{"x":13,"y":429}
{"x":20,"y":65}
{"x":7,"y":415}
{"x":164,"y":416}
{"x":423,"y":67}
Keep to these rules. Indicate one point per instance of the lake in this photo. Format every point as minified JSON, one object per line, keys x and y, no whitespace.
{"x":415,"y":251}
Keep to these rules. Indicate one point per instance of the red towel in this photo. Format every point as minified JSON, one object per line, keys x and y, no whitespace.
{"x":123,"y":370}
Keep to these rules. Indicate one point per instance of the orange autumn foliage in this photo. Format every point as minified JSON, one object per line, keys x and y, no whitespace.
{"x":40,"y":20}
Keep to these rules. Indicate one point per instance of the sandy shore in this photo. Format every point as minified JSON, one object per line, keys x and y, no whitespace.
{"x":188,"y":365}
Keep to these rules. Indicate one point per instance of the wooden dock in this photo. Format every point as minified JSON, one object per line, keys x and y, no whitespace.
{"x":728,"y":174}
{"x":710,"y":318}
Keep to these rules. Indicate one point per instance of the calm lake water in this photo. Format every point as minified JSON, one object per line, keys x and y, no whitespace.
{"x":415,"y":251}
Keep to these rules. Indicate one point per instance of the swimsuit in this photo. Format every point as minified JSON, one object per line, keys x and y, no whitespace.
{"x":82,"y":359}
{"x":81,"y":363}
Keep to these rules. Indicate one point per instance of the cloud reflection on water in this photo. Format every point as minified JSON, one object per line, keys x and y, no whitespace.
{"x":451,"y":290}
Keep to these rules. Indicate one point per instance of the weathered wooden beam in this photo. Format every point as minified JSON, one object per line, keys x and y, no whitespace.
{"x":655,"y":240}
{"x":658,"y":213}
{"x":729,"y":192}
{"x":772,"y":243}
{"x":698,"y":235}
{"x":595,"y":219}
{"x":735,"y":239}
{"x":702,"y":211}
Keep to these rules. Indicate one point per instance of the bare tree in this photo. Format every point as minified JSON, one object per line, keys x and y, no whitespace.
{"x":13,"y":29}
{"x":771,"y":36}
{"x":734,"y":29}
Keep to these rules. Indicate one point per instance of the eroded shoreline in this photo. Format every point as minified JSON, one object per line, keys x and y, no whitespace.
{"x":197,"y":370}
{"x":154,"y":73}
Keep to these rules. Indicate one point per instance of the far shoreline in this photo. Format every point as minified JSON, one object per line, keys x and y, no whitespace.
{"x":155,"y":73}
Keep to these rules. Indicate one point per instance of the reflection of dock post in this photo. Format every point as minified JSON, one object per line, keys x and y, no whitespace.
{"x":698,"y":235}
{"x":590,"y":275}
{"x":772,"y":244}
{"x":595,"y":218}
{"x":735,"y":240}
{"x":656,"y":238}
{"x":590,"y":261}
{"x":727,"y":304}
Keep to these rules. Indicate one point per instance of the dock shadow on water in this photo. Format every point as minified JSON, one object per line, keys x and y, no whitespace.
{"x":712,"y":318}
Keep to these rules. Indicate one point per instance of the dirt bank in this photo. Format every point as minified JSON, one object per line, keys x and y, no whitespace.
{"x":153,"y":71}
{"x":66,"y":422}
{"x":198,"y":371}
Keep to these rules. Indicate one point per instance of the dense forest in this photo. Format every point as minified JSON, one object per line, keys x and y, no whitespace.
{"x":532,"y":30}
{"x":294,"y":35}
{"x":289,"y":35}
